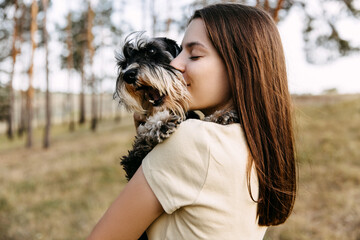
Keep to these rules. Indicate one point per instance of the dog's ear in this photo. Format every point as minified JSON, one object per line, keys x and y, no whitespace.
{"x":171,"y":46}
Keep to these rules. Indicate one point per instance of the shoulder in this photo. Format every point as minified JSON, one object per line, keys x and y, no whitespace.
{"x":188,"y":142}
{"x":203,"y":129}
{"x":193,"y":143}
{"x":191,"y":127}
{"x":209,"y":133}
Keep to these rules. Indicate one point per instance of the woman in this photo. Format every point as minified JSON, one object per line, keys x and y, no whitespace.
{"x":209,"y":181}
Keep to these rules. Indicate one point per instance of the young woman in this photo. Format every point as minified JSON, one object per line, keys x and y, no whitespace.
{"x":209,"y":181}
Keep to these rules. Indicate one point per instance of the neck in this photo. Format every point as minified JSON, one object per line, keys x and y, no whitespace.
{"x":228,"y":106}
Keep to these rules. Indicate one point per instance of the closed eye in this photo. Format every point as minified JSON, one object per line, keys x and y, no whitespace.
{"x":195,"y":57}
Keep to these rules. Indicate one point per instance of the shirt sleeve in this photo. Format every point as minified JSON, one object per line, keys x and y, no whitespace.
{"x":176,"y":169}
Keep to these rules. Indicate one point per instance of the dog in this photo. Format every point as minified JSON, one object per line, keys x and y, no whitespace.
{"x":149,"y":85}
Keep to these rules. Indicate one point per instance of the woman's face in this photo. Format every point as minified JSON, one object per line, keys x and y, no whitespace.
{"x":203,"y":70}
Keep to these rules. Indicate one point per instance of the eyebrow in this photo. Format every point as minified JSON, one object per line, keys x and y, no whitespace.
{"x":193,"y":44}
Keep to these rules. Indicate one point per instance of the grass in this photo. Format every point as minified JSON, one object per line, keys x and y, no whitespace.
{"x":328,"y":150}
{"x":60,"y":193}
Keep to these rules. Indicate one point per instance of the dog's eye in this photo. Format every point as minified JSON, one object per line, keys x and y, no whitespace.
{"x":151,"y":51}
{"x":123,"y":65}
{"x":130,"y":50}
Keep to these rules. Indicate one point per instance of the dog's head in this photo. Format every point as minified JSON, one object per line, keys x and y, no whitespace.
{"x":146,"y":82}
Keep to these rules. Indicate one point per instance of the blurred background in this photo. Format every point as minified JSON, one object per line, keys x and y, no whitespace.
{"x":62,"y":134}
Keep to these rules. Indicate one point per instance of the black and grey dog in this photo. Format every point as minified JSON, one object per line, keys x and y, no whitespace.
{"x":149,"y":85}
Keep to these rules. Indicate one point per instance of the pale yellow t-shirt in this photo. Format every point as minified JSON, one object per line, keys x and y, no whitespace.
{"x":199,"y":178}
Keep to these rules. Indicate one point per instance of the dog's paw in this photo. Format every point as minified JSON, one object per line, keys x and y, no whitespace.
{"x":159,"y":127}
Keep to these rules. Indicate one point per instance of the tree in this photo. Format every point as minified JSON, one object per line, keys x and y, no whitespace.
{"x":169,"y":18}
{"x":30,"y":91}
{"x":70,"y":66}
{"x":4,"y":102}
{"x":46,"y":142}
{"x":5,"y":31}
{"x":90,"y":38}
{"x":73,"y":56}
{"x":153,"y":17}
{"x":11,"y":29}
{"x":24,"y":36}
{"x":18,"y":25}
{"x":87,"y":27}
{"x":106,"y":36}
{"x":14,"y":52}
{"x":323,"y":36}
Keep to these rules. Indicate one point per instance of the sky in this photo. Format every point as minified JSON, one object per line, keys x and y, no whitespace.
{"x":342,"y":74}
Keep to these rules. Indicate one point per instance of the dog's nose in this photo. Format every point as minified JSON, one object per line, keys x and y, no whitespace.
{"x":130,"y":76}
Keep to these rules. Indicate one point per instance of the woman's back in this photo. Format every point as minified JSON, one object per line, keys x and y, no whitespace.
{"x":199,"y":177}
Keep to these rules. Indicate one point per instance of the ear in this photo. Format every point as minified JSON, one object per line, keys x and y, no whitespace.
{"x":126,"y":49}
{"x":171,"y":46}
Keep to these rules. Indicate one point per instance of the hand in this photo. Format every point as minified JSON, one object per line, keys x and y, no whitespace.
{"x":139,"y":119}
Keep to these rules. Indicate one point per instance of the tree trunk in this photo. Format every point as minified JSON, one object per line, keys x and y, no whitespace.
{"x":22,"y":115}
{"x":91,"y":49}
{"x":169,"y":18}
{"x":14,"y":52}
{"x":154,"y":18}
{"x":70,"y":66}
{"x":30,"y":92}
{"x":22,"y":123}
{"x":46,"y":143}
{"x":100,"y":102}
{"x":82,"y":93}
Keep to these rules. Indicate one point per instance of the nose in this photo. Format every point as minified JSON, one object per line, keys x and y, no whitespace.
{"x":130,"y":76}
{"x":178,"y":63}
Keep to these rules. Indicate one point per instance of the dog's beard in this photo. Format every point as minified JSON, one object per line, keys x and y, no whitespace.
{"x":156,"y":89}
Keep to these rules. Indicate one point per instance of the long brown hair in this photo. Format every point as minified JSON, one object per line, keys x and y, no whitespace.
{"x":248,"y":41}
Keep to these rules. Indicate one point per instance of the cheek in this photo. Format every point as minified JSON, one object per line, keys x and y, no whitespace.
{"x":209,"y":83}
{"x":215,"y":79}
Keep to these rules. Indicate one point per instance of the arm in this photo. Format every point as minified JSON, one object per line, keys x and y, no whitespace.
{"x":131,"y":213}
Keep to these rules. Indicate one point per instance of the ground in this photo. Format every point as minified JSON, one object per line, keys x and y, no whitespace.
{"x":60,"y":193}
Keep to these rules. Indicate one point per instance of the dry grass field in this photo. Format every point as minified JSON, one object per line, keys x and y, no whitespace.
{"x":60,"y":193}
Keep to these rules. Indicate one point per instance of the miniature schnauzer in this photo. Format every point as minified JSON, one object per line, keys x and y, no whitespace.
{"x":149,"y":85}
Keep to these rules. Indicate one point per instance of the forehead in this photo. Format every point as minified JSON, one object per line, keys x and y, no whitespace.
{"x":196,"y":32}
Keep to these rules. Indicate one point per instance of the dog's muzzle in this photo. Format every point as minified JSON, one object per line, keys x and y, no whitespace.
{"x":130,"y":76}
